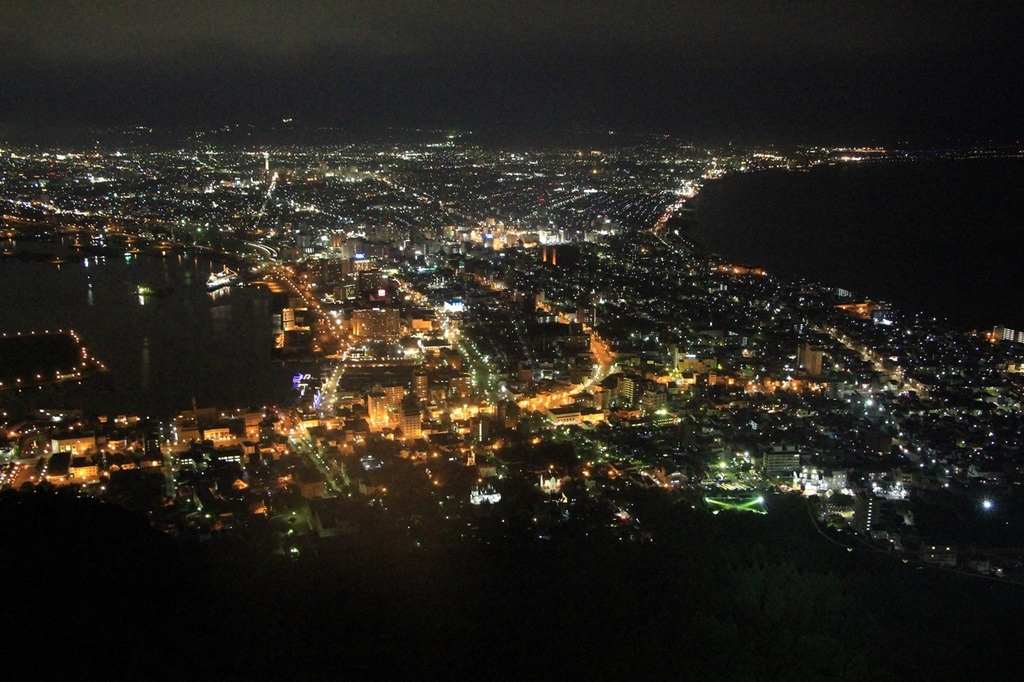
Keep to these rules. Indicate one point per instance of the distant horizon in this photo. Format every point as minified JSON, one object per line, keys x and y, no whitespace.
{"x":307,"y":133}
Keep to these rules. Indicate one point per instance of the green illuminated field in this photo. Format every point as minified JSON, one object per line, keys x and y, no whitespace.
{"x":752,"y":504}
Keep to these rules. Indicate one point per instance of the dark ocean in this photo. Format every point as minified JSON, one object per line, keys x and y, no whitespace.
{"x":943,"y":237}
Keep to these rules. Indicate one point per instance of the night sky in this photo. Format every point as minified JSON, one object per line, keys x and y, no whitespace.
{"x":828,"y":72}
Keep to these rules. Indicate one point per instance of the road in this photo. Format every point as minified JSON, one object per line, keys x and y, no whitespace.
{"x":312,"y":452}
{"x":603,"y":366}
{"x":328,"y":392}
{"x":894,"y":372}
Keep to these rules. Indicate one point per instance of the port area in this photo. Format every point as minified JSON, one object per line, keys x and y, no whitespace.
{"x":32,"y":359}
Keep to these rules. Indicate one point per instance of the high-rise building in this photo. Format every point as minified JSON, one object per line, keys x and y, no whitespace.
{"x":420,"y":384}
{"x":294,"y":318}
{"x":412,"y":422}
{"x":393,"y":396}
{"x":1006,"y":334}
{"x":808,"y":359}
{"x":508,"y":414}
{"x":459,"y":386}
{"x":587,"y":314}
{"x":377,"y":409}
{"x":781,"y":459}
{"x":375,"y":323}
{"x":627,"y":391}
{"x":328,"y":270}
{"x":480,"y":428}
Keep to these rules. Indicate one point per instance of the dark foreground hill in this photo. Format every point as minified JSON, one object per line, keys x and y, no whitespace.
{"x":90,"y":589}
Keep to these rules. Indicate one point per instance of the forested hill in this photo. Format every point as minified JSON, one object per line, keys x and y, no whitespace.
{"x":90,"y":588}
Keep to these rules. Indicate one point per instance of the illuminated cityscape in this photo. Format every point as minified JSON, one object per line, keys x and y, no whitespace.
{"x":510,"y":348}
{"x":300,"y":398}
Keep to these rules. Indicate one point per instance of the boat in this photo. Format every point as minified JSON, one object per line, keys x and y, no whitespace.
{"x":225,"y":277}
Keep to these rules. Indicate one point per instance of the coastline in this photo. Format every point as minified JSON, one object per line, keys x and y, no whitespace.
{"x":225,"y":341}
{"x":892,"y":231}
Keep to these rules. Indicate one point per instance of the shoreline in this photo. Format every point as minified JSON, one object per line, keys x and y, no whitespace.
{"x":878,"y":273}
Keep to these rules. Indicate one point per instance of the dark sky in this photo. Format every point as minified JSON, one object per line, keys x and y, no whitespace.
{"x":823,"y":71}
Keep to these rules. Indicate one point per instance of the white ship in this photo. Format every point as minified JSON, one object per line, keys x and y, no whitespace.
{"x":224,"y":278}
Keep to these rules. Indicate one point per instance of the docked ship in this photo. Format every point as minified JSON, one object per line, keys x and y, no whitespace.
{"x":225,"y":277}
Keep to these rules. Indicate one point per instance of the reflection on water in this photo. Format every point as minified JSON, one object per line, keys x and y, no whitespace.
{"x":161,"y":350}
{"x":220,"y":317}
{"x":221,"y":292}
{"x":144,"y":374}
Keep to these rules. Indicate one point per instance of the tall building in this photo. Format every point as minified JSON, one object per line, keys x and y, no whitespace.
{"x":781,"y":459}
{"x":459,"y":386}
{"x":393,"y":396}
{"x":369,"y":282}
{"x":360,"y":263}
{"x":808,"y":359}
{"x":375,"y":323}
{"x":377,"y":409}
{"x":1006,"y":334}
{"x":508,"y":414}
{"x":412,"y":422}
{"x":327,"y":270}
{"x":480,"y":428}
{"x":627,"y":391}
{"x":587,"y":314}
{"x":420,"y":385}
